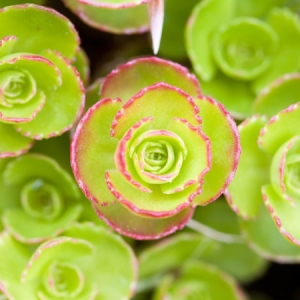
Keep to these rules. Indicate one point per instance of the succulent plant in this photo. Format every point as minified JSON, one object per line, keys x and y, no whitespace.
{"x":41,"y":94}
{"x":145,"y":156}
{"x":199,"y":281}
{"x":246,"y":45}
{"x":268,"y":169}
{"x":80,"y":265}
{"x":38,"y":199}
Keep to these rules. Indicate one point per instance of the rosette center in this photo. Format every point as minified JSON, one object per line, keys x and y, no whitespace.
{"x":157,"y":156}
{"x":41,"y":200}
{"x":16,"y":87}
{"x":244,"y":47}
{"x":64,"y":280}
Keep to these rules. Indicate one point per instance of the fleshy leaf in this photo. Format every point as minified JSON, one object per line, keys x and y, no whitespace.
{"x":88,"y":169}
{"x":42,"y":28}
{"x":138,"y":227}
{"x":244,"y":192}
{"x":284,"y":213}
{"x":148,"y":70}
{"x":14,"y":255}
{"x":7,"y":44}
{"x":256,"y":8}
{"x":202,"y":281}
{"x":200,"y":26}
{"x":13,"y":143}
{"x":155,"y":204}
{"x":63,"y":105}
{"x":27,"y":229}
{"x":279,"y":129}
{"x":238,"y":101}
{"x":223,"y":136}
{"x":154,"y":101}
{"x":126,"y":20}
{"x":265,"y":239}
{"x":287,"y":58}
{"x":278,"y":95}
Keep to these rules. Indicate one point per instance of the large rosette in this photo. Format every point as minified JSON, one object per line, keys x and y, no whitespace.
{"x":145,"y":156}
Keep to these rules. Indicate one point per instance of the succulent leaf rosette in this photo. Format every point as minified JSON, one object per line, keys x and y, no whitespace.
{"x":41,"y":94}
{"x":153,"y":148}
{"x":39,"y":199}
{"x":242,"y":48}
{"x":199,"y":281}
{"x":80,"y":265}
{"x":269,"y":170}
{"x":115,"y":16}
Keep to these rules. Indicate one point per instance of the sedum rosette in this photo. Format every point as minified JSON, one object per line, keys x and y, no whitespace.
{"x":80,"y":265}
{"x":245,"y":45}
{"x":41,"y":94}
{"x":152,"y":148}
{"x":199,"y":281}
{"x":269,"y":167}
{"x":38,"y":198}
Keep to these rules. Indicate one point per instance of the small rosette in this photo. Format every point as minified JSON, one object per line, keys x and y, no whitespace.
{"x":41,"y":195}
{"x":79,"y":265}
{"x":41,"y":94}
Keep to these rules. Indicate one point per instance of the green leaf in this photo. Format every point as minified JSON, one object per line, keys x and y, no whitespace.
{"x":93,"y":135}
{"x":244,"y":192}
{"x":223,"y":135}
{"x":13,"y":143}
{"x":137,"y":74}
{"x":238,"y":101}
{"x":278,"y":95}
{"x":265,"y":239}
{"x":14,"y":257}
{"x":154,"y":204}
{"x":279,"y":129}
{"x":42,"y":28}
{"x":160,"y":101}
{"x":284,"y":213}
{"x":141,"y":228}
{"x":123,"y":20}
{"x":203,"y":281}
{"x":287,"y":58}
{"x":31,"y":230}
{"x":200,"y":27}
{"x":256,"y":8}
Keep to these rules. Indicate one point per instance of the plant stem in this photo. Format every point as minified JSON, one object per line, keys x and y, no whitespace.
{"x":214,"y":234}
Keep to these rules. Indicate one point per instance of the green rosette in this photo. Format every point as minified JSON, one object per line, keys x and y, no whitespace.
{"x":41,"y":95}
{"x":268,"y":168}
{"x":43,"y":198}
{"x":199,"y":281}
{"x":79,"y":265}
{"x":246,"y":45}
{"x":156,"y":151}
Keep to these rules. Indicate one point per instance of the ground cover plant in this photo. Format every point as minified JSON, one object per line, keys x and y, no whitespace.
{"x":149,"y":149}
